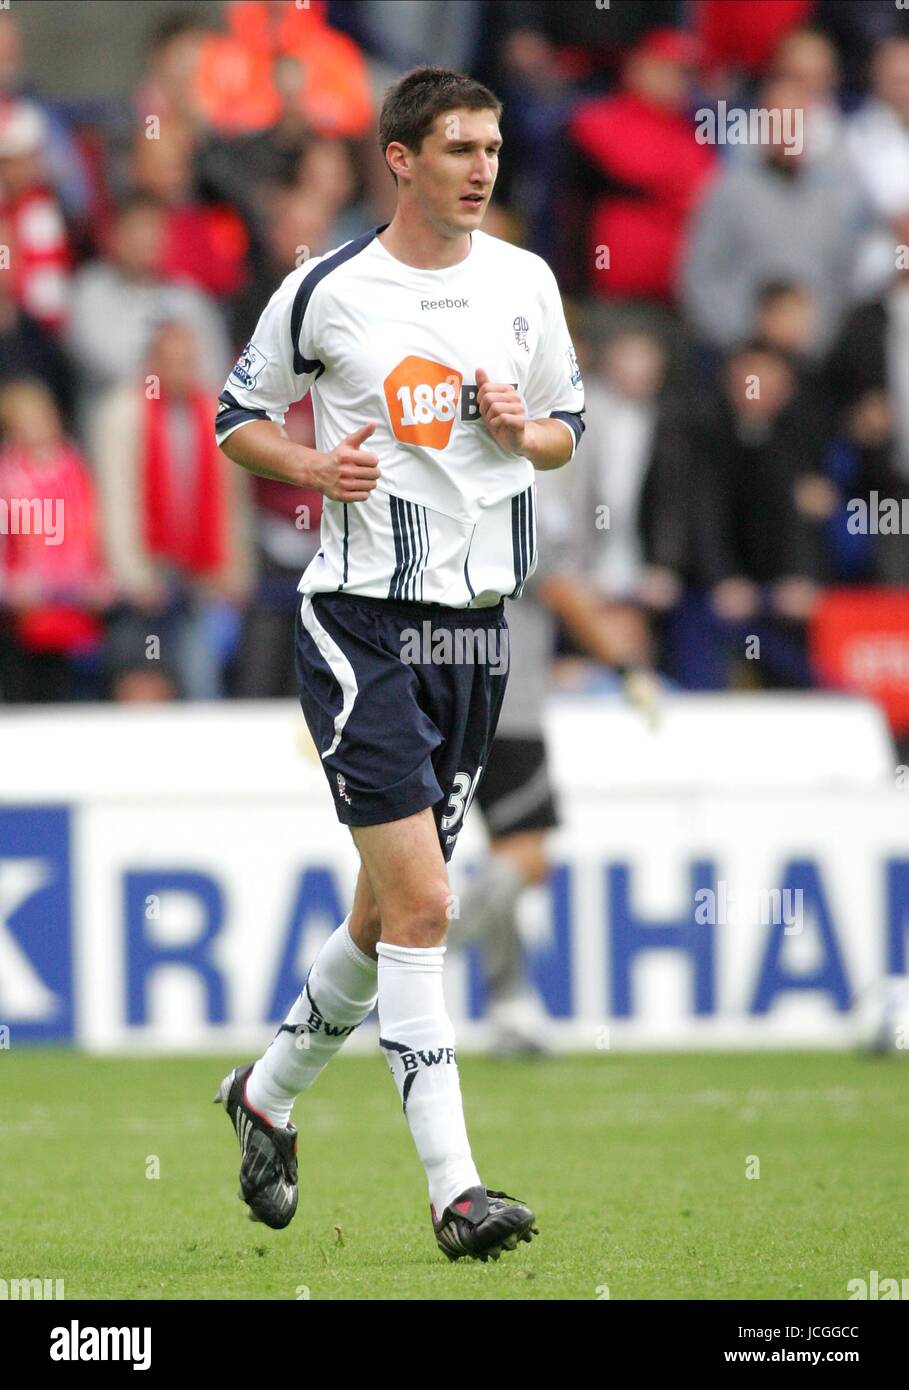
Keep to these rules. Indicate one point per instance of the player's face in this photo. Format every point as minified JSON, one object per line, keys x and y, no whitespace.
{"x":455,"y":170}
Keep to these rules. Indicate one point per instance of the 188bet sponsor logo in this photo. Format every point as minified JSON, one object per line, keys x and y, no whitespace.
{"x":424,"y":398}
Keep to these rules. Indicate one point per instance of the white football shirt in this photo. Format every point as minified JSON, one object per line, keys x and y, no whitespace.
{"x":451,"y":520}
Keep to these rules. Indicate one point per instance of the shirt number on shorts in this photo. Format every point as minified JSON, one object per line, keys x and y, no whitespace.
{"x":460,"y":797}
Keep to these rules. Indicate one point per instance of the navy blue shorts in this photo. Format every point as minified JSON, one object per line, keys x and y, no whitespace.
{"x":402,"y":701}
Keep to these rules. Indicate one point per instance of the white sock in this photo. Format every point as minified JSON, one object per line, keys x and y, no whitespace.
{"x":418,"y":1040}
{"x":340,"y":991}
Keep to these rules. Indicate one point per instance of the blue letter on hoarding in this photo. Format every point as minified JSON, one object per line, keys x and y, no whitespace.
{"x":317,"y":897}
{"x":36,"y":946}
{"x":897,"y":916}
{"x":829,"y":977}
{"x":631,"y":937}
{"x":549,"y":968}
{"x":145,"y":955}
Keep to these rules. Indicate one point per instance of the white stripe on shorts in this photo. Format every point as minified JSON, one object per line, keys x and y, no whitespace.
{"x":341,"y":669}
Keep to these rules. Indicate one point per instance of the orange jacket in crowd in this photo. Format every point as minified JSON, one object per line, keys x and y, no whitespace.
{"x":235,"y":86}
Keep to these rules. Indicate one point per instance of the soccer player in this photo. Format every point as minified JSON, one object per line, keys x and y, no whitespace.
{"x":442,"y":375}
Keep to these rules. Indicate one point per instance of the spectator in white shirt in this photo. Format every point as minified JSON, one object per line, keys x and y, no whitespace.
{"x":877,"y":147}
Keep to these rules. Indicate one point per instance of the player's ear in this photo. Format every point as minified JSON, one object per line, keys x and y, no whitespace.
{"x":397,"y":157}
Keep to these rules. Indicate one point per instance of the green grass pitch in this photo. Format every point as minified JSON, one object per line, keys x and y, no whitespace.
{"x":635,"y":1164}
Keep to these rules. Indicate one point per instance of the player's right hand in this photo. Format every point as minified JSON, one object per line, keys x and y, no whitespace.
{"x":348,"y":473}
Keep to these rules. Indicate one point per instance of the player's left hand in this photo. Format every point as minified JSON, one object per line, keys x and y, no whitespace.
{"x":503,"y":412}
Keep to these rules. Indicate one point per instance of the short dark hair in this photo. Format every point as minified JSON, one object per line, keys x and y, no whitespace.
{"x":173,"y":26}
{"x":417,"y":98}
{"x":775,"y":289}
{"x":136,"y":200}
{"x":759,"y":347}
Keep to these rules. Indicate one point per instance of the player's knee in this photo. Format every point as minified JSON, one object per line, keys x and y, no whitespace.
{"x":421,"y":920}
{"x":366,"y":929}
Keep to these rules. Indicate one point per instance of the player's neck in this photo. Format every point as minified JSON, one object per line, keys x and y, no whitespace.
{"x":415,"y":242}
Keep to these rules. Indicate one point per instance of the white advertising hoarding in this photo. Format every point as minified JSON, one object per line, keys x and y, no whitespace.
{"x":166,"y":876}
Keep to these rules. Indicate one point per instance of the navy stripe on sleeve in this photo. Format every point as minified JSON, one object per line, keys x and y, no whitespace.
{"x":574,"y":419}
{"x":305,"y":365}
{"x":231,"y":413}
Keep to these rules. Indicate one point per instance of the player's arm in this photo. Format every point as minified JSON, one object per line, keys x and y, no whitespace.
{"x":348,"y":473}
{"x":614,"y":634}
{"x":277,"y":367}
{"x":550,"y":443}
{"x":546,"y":423}
{"x":547,"y":443}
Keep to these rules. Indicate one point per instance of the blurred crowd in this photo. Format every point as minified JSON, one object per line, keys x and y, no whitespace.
{"x":741,"y":311}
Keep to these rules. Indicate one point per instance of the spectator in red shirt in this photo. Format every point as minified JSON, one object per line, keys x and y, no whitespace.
{"x":175,"y":513}
{"x":53,"y":579}
{"x":638,"y":170}
{"x":39,"y":256}
{"x":204,"y":243}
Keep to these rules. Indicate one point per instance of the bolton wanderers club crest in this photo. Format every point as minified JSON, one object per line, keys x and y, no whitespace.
{"x":574,"y":369}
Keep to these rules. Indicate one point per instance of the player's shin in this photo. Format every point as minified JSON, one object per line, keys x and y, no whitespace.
{"x":417,"y":1038}
{"x":339,"y":993}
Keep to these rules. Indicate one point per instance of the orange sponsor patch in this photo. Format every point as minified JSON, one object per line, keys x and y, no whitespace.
{"x":423,"y":399}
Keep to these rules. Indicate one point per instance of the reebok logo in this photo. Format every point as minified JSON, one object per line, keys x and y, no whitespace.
{"x":444,"y":303}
